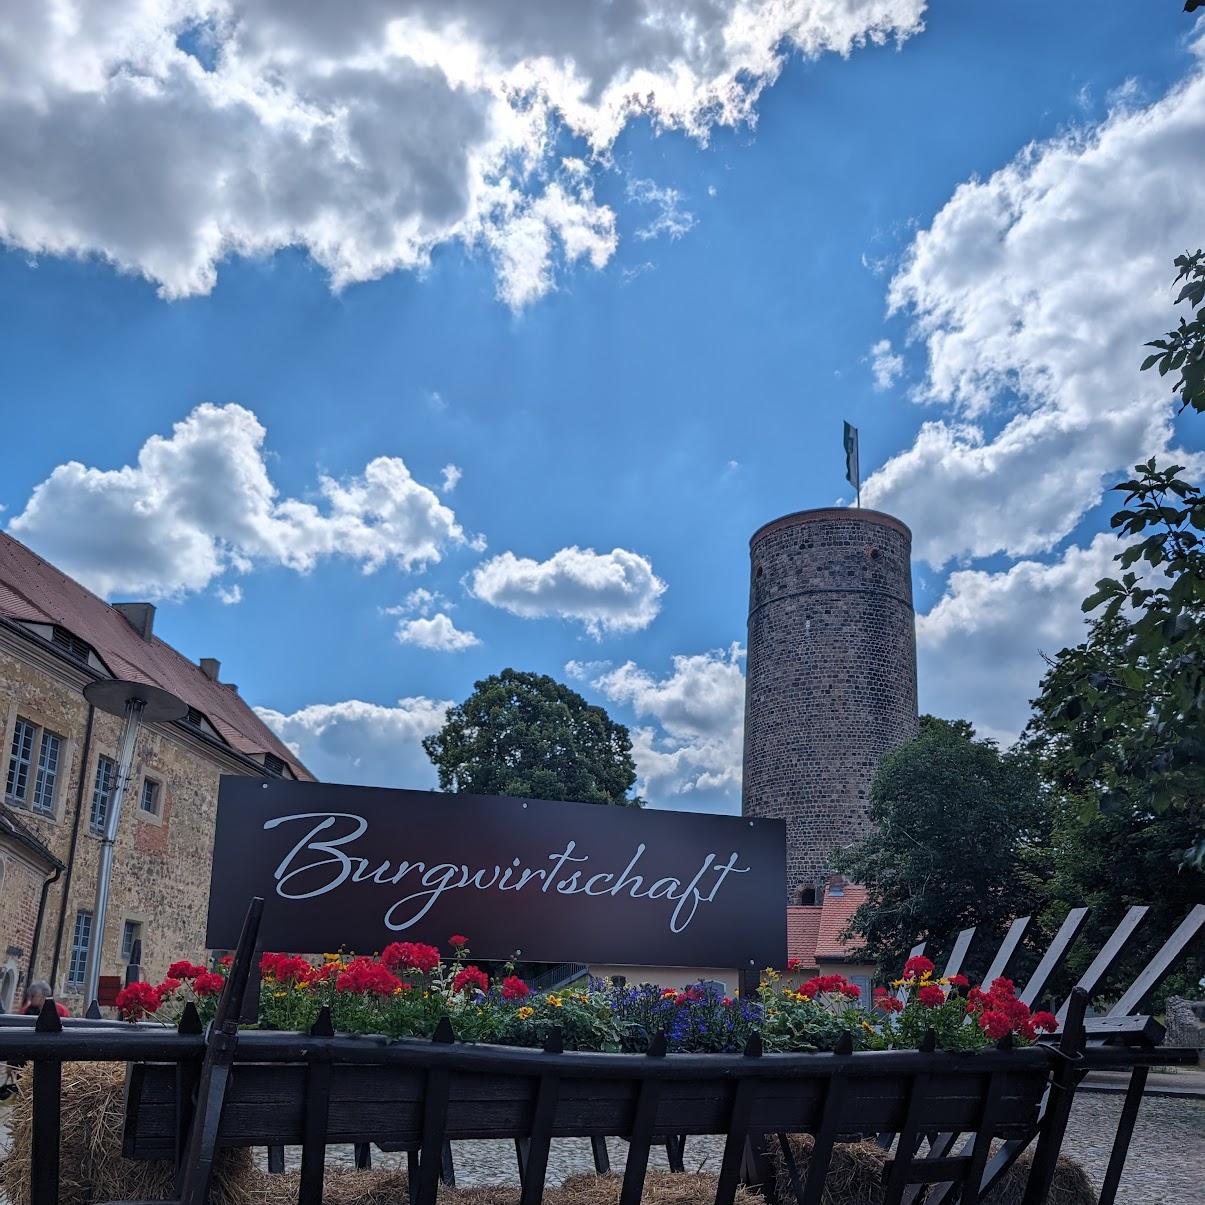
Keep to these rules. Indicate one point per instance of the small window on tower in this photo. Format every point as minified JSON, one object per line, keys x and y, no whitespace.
{"x":807,"y":895}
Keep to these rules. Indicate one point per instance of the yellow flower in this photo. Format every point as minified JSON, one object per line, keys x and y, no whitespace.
{"x":866,"y":1025}
{"x":331,"y":958}
{"x":526,"y":1013}
{"x":554,"y":1000}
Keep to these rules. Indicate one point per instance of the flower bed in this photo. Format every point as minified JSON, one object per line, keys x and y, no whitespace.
{"x":408,"y":988}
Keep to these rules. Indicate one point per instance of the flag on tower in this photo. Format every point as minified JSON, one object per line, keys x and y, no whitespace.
{"x":853,"y":472}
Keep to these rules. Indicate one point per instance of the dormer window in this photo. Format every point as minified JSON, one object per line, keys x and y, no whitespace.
{"x":275,"y":765}
{"x":71,"y":644}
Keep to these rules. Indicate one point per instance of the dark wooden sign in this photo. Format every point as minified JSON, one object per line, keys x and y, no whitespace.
{"x":359,"y":867}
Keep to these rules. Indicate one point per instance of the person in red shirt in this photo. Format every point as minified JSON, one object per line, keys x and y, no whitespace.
{"x":39,"y":992}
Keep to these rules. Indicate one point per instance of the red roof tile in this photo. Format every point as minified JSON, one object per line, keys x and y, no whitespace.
{"x":834,"y":916}
{"x":803,"y":927}
{"x":33,"y":591}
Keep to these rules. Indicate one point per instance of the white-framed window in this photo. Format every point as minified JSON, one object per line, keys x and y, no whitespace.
{"x":20,"y":761}
{"x":102,"y":792}
{"x":131,"y":932}
{"x":81,"y":939}
{"x":34,"y":761}
{"x":48,"y":773}
{"x":151,"y":798}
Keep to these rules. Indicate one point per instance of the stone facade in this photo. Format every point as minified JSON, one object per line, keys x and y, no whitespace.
{"x":22,"y":873}
{"x":161,"y":862}
{"x":831,"y":676}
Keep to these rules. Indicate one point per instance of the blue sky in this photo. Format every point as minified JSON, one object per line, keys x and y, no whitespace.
{"x":634,"y":336}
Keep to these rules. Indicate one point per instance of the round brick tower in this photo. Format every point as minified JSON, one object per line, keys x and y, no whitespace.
{"x":831,"y":678}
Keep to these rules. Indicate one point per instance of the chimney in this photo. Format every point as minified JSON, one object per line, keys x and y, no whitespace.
{"x":211,"y":667}
{"x":140,"y":616}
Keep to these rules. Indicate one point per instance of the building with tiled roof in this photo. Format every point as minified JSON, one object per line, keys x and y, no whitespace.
{"x":60,"y":754}
{"x":816,"y":944}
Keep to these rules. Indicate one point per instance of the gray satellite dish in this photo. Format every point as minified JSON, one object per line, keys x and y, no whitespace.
{"x":114,"y":696}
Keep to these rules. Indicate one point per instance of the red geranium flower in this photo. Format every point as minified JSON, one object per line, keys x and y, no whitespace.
{"x":208,"y":983}
{"x":793,"y":964}
{"x":959,"y":980}
{"x":917,"y":966}
{"x":457,"y":940}
{"x":226,"y":960}
{"x":137,"y":1000}
{"x":1045,"y":1021}
{"x":931,"y":996}
{"x":368,"y":977}
{"x":886,"y":1001}
{"x":513,"y":988}
{"x":410,"y":956}
{"x":995,"y":1024}
{"x":184,"y":970}
{"x":168,"y":987}
{"x":286,"y":968}
{"x":471,"y":977}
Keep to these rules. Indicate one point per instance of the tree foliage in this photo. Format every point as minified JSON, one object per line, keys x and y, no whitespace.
{"x":529,"y":735}
{"x":955,"y":819}
{"x":1134,"y":723}
{"x":1109,"y":858}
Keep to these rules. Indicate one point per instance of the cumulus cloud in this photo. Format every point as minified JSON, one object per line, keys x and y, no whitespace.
{"x":200,"y":502}
{"x":1033,"y":292}
{"x":371,"y":133}
{"x":451,"y":475}
{"x":437,"y":633}
{"x":363,"y":744}
{"x":980,"y":647}
{"x":615,"y":591}
{"x":230,"y":595}
{"x":885,"y":365}
{"x":690,"y":755}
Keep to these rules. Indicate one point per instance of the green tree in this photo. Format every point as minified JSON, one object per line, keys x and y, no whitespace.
{"x":1123,"y":852}
{"x":956,"y":822}
{"x":1135,"y":724}
{"x":529,"y":735}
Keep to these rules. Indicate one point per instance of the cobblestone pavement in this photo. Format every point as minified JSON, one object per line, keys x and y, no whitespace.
{"x":1166,"y":1165}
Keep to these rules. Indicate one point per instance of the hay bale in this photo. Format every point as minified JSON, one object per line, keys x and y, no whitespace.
{"x":660,"y":1188}
{"x":1070,"y":1185}
{"x":855,"y":1176}
{"x":340,"y":1186}
{"x":91,"y":1165}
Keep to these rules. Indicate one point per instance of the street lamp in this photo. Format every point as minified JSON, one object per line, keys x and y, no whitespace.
{"x":138,"y":704}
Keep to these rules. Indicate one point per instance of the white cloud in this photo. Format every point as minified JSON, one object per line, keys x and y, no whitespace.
{"x":1033,"y":292}
{"x":670,"y":219}
{"x":690,"y":756}
{"x":230,"y":595}
{"x":200,"y":502}
{"x":980,"y":647}
{"x":438,"y":633}
{"x":371,"y":133}
{"x":363,"y":744}
{"x":615,"y":591}
{"x":451,"y":478}
{"x":885,"y":365}
{"x":583,"y":671}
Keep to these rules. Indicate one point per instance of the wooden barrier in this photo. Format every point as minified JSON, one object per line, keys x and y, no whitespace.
{"x":189,"y":1093}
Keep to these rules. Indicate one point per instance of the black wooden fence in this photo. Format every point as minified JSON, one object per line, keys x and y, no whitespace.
{"x":190,"y":1092}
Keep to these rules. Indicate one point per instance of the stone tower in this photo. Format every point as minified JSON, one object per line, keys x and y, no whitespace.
{"x":831,"y":680}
